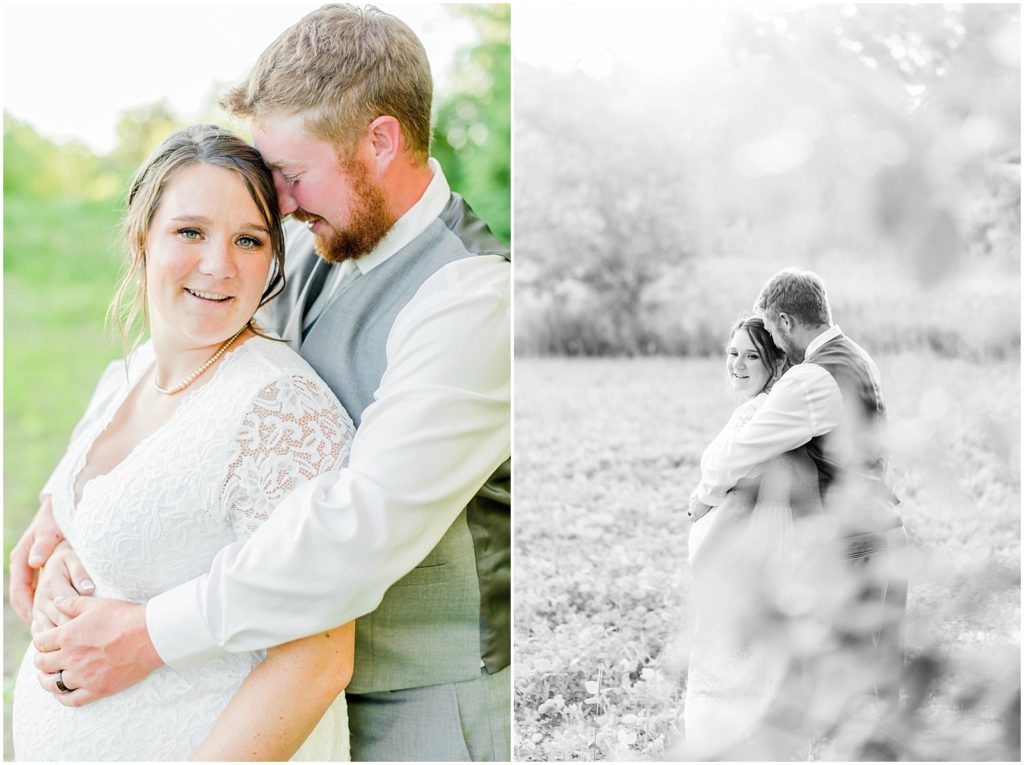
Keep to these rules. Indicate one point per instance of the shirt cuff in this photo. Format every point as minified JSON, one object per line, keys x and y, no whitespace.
{"x":177,"y":629}
{"x":708,"y":497}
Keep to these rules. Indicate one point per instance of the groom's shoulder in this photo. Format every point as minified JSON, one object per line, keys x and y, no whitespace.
{"x":469,"y":231}
{"x":843,"y":353}
{"x":841,"y":346}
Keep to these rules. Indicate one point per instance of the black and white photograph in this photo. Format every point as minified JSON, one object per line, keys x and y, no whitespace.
{"x":767,"y":382}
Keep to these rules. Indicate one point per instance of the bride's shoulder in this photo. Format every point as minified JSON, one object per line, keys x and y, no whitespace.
{"x":271,"y":363}
{"x":269,"y":358}
{"x":746,"y":409}
{"x":751,"y":405}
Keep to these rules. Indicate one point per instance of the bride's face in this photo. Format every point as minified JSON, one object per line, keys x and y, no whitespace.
{"x":208,"y":254}
{"x":744,"y":365}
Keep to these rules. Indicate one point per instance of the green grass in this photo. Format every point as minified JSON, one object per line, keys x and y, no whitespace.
{"x":607,"y":452}
{"x":61,"y":265}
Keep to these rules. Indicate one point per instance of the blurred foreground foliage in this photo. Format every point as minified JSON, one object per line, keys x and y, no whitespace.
{"x":878,"y":145}
{"x":607,"y":453}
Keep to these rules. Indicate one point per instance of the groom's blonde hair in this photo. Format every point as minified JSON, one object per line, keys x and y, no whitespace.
{"x":341,"y":67}
{"x":800,"y":294}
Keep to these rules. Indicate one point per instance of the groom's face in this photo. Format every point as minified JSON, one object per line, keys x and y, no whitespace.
{"x":345,"y":208}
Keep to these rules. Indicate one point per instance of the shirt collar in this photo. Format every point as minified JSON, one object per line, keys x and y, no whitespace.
{"x":413,"y":223}
{"x":829,"y":334}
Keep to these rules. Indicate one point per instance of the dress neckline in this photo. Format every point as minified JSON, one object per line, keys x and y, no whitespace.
{"x":115,"y":407}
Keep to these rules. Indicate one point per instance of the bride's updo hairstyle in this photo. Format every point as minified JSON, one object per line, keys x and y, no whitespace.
{"x":194,"y":145}
{"x":773,"y":359}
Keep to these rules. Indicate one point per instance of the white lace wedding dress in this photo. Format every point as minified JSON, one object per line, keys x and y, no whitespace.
{"x":263,"y":424}
{"x":734,"y":674}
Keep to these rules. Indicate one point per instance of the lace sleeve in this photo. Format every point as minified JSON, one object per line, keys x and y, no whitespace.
{"x":293,"y":430}
{"x":740,"y":416}
{"x":745,"y":411}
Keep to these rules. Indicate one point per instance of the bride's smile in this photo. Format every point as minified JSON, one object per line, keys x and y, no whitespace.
{"x":208,"y":296}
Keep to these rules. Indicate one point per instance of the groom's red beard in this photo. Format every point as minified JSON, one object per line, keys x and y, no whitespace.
{"x":786,"y":344}
{"x":370,"y":220}
{"x":793,"y":354}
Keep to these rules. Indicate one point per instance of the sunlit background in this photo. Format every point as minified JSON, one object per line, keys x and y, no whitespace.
{"x":668,"y":162}
{"x":74,"y":82}
{"x":89,"y":89}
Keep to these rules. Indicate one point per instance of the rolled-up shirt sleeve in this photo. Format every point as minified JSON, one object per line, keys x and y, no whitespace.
{"x":438,"y":428}
{"x":806,"y":402}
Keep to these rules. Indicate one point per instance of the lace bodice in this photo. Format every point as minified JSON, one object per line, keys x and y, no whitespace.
{"x":262,"y":425}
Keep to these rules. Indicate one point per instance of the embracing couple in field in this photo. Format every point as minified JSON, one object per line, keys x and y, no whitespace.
{"x":794,"y":510}
{"x":282,"y":529}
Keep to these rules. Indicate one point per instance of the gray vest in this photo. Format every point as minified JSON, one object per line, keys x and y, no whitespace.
{"x":853,"y":457}
{"x":436,"y":624}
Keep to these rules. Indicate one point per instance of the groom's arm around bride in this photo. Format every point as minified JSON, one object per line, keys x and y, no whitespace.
{"x":831,"y":402}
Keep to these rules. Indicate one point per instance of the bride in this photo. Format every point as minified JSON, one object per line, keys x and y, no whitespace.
{"x":185,"y":447}
{"x":736,"y":670}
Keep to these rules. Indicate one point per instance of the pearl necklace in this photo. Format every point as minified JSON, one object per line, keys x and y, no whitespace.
{"x":195,"y":375}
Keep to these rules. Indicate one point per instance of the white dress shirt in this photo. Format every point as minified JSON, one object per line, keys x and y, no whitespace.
{"x":806,"y":402}
{"x":438,"y":428}
{"x":408,"y":227}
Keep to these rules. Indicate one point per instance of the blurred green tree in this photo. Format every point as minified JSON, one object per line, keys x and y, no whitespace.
{"x":140,"y":129}
{"x":473,"y":125}
{"x":38,"y":167}
{"x":878,"y":142}
{"x":931,"y":109}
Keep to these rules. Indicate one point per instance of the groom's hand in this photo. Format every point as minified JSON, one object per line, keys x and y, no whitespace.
{"x":103,"y":649}
{"x":697,"y":509}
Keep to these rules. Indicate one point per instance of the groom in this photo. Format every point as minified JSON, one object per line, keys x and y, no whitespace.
{"x":831,"y":401}
{"x":398,"y":295}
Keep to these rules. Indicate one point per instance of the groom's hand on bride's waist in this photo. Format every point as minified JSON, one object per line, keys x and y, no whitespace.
{"x":103,"y":648}
{"x":697,"y":509}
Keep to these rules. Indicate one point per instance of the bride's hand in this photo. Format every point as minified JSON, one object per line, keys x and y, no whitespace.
{"x":63,"y":575}
{"x":29,"y":554}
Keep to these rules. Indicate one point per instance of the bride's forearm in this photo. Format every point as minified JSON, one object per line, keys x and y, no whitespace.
{"x":282,"y":699}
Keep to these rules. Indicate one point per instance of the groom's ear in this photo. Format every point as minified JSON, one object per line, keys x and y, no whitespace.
{"x":385,"y":136}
